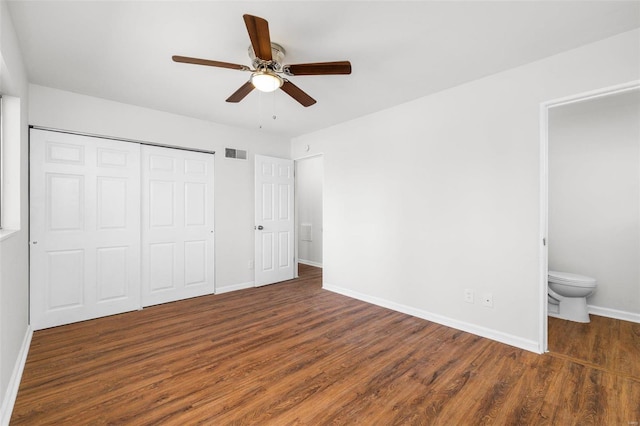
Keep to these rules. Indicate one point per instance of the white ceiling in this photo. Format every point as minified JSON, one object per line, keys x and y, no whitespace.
{"x":121,"y":50}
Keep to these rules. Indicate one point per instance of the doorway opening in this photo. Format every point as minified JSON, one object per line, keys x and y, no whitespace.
{"x":552,"y":168}
{"x":309,"y":211}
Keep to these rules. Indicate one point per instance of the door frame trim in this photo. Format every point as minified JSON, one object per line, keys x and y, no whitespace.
{"x":544,"y":190}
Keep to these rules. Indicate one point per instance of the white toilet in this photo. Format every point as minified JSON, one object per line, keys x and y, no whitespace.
{"x":567,"y":295}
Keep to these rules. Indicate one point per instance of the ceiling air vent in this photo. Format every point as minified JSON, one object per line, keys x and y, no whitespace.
{"x":239,"y":154}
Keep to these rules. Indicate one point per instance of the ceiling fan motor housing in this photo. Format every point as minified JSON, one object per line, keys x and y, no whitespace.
{"x":277,"y":53}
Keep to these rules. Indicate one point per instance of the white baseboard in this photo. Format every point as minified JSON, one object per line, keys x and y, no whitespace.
{"x":310,"y":263}
{"x":14,"y":383}
{"x":614,"y":313}
{"x":234,"y":287}
{"x":509,"y":339}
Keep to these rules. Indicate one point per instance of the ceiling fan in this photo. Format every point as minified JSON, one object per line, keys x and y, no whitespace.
{"x":268,"y":71}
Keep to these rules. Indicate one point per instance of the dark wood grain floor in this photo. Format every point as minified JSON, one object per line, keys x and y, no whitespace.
{"x":293,"y":354}
{"x":607,"y":343}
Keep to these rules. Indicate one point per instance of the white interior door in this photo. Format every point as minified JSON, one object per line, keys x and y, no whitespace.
{"x":84,"y":228}
{"x":274,"y":230}
{"x":177,"y":224}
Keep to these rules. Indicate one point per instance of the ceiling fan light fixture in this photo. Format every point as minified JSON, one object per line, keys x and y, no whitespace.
{"x":266,"y":81}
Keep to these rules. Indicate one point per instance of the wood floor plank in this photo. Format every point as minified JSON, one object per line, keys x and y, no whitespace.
{"x":294,"y":354}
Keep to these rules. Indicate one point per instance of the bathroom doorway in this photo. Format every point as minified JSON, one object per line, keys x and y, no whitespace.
{"x":309,"y":210}
{"x":591,"y":221}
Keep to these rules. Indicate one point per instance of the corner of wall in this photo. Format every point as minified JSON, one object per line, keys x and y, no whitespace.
{"x":9,"y":397}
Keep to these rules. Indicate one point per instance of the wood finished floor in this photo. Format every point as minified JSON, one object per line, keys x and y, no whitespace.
{"x":607,"y":343}
{"x":294,"y":354}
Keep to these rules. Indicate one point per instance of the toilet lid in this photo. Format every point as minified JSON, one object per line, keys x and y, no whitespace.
{"x":571,"y":279}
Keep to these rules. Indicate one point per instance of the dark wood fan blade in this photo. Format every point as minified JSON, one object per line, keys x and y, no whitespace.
{"x":240,"y":94}
{"x":197,"y":61}
{"x":298,"y":94}
{"x":319,"y":68}
{"x":258,"y":30}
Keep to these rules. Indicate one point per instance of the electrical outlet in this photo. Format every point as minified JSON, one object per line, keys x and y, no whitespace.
{"x":487,"y":300}
{"x":468,"y":295}
{"x":251,"y":264}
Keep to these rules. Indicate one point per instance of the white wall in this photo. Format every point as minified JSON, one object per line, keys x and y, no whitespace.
{"x":428,"y":198}
{"x":234,"y":198}
{"x":14,"y":286}
{"x":594,"y":196}
{"x":309,"y":206}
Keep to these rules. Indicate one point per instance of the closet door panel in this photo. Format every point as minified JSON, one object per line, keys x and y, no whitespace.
{"x":177,"y":225}
{"x":84,"y":228}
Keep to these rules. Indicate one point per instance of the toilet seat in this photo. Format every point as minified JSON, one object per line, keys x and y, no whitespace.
{"x":569,"y":279}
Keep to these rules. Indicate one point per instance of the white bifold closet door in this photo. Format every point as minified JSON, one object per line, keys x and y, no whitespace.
{"x":85,"y":228}
{"x":115,"y":226}
{"x":177,"y":225}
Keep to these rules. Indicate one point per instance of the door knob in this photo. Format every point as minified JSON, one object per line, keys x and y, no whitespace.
{"x":260,"y":227}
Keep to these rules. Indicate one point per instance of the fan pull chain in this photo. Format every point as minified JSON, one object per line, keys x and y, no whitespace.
{"x":259,"y":109}
{"x":274,"y":116}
